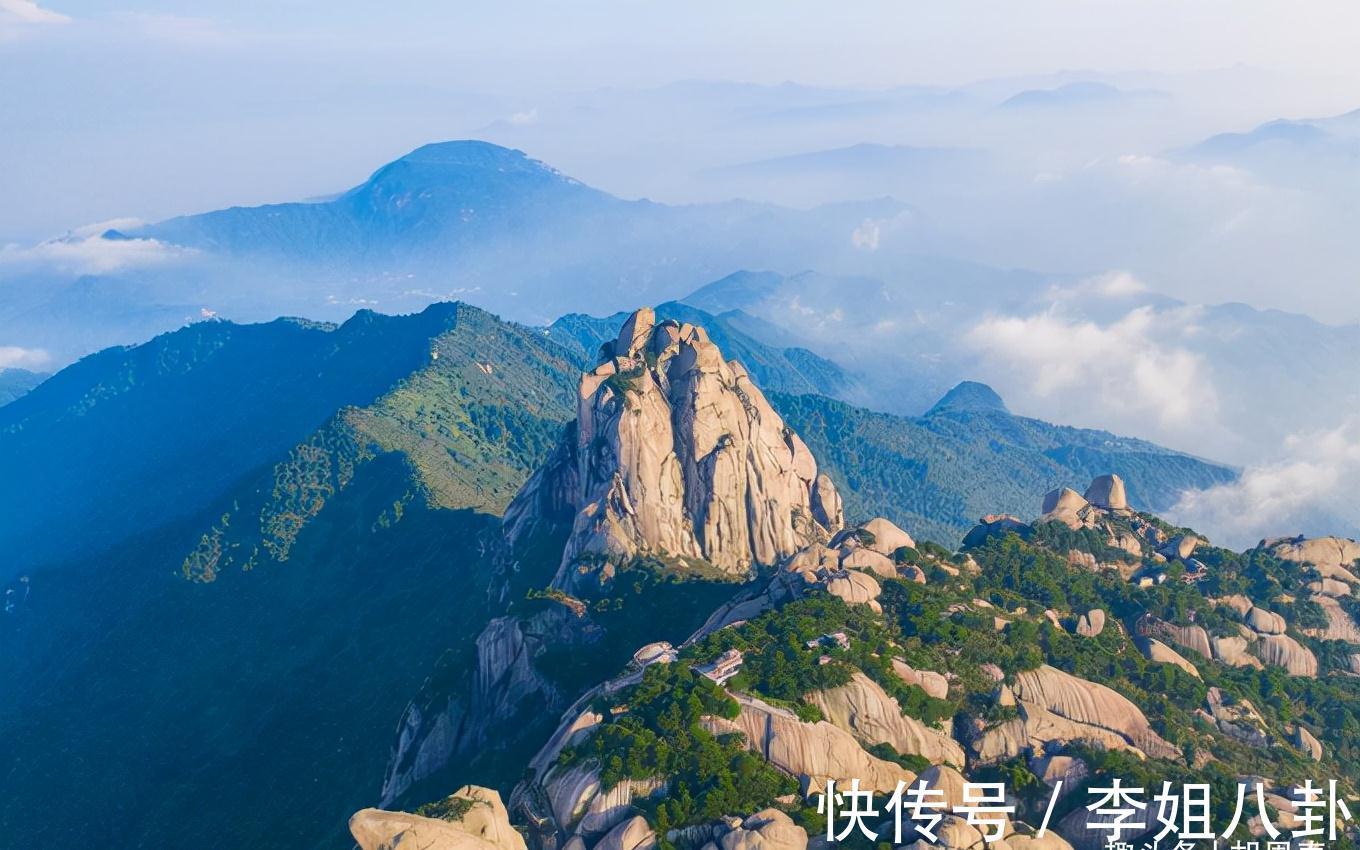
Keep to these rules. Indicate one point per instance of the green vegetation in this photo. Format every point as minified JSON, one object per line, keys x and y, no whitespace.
{"x":655,"y":729}
{"x":937,"y":474}
{"x":450,"y":808}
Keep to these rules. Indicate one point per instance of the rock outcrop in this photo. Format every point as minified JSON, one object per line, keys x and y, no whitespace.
{"x":814,"y":752}
{"x":1107,"y":491}
{"x":677,"y":454}
{"x":866,"y":711}
{"x":1090,"y":704}
{"x":632,"y":834}
{"x":1284,"y":651}
{"x":934,"y":684}
{"x":1304,"y":740}
{"x":769,"y":829}
{"x":482,"y":824}
{"x":1266,"y":622}
{"x":1334,"y":557}
{"x":1092,"y":623}
{"x":1155,"y":650}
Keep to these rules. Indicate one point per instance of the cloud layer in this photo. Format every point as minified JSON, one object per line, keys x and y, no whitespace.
{"x":1312,"y":488}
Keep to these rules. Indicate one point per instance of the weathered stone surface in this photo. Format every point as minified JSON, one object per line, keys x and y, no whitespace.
{"x":1233,"y":651}
{"x":1238,"y":719}
{"x":632,"y":834}
{"x":854,"y":587}
{"x":934,"y":684}
{"x":1284,"y":651}
{"x":1235,"y":602}
{"x":827,"y":508}
{"x":679,"y":455}
{"x":862,"y":708}
{"x":1266,"y":622}
{"x":1092,"y":623}
{"x":768,"y":829}
{"x":888,"y":538}
{"x":1334,"y":557}
{"x":1340,"y":624}
{"x":1330,"y":587}
{"x":1155,"y":650}
{"x":1304,"y":740}
{"x":1190,"y":637}
{"x":1071,"y":770}
{"x":947,"y":780}
{"x":1063,"y":500}
{"x":1180,"y":547}
{"x":1092,"y":704}
{"x":485,"y":826}
{"x":813,"y":751}
{"x":1107,"y":491}
{"x":862,"y":558}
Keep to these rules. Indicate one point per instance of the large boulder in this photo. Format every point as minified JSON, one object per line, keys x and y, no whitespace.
{"x":1091,"y":704}
{"x":678,"y":454}
{"x":1334,"y":557}
{"x":1233,"y":651}
{"x":887,"y":538}
{"x":861,"y":558}
{"x":934,"y":684}
{"x":632,"y":834}
{"x":1284,"y":651}
{"x":855,"y":588}
{"x":1067,"y":506}
{"x":480,"y":823}
{"x":768,"y":829}
{"x":1304,"y":740}
{"x":1092,"y":623}
{"x":814,"y":752}
{"x":1107,"y":491}
{"x":1340,"y":624}
{"x":1155,"y":650}
{"x":1266,"y":622}
{"x":862,"y":708}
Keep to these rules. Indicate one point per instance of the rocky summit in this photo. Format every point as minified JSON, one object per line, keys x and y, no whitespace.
{"x":1095,"y":641}
{"x":678,"y":455}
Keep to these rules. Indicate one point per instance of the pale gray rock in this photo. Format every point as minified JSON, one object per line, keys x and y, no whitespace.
{"x":1091,"y":704}
{"x":1233,"y":651}
{"x":1284,"y":651}
{"x":485,"y":826}
{"x":768,"y":829}
{"x":1304,"y":740}
{"x":679,"y":455}
{"x":888,"y":538}
{"x":1334,"y":557}
{"x":1071,"y":770}
{"x":632,"y":834}
{"x":1266,"y":622}
{"x":862,"y":708}
{"x":1155,"y":650}
{"x":1107,"y":491}
{"x":815,"y":752}
{"x":934,"y":684}
{"x":1092,"y":623}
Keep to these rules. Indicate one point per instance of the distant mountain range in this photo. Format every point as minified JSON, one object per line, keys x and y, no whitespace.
{"x":456,"y":220}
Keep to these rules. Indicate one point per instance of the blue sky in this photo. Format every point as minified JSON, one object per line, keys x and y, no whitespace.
{"x":149,"y":109}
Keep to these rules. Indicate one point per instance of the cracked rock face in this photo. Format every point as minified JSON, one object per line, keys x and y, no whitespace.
{"x":677,"y":454}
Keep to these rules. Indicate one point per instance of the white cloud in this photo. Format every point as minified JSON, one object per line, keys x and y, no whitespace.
{"x":1113,"y":284}
{"x":28,"y":12}
{"x":525,"y":119}
{"x":1311,"y":488}
{"x":86,"y":251}
{"x":14,"y":357}
{"x":1129,"y":371}
{"x":1138,"y":374}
